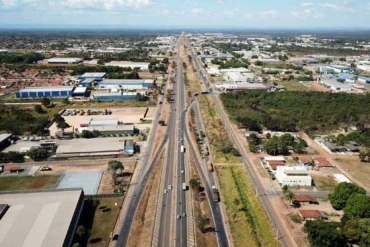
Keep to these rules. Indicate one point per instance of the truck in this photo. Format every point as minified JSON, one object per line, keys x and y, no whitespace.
{"x":210,"y":166}
{"x":215,"y":194}
{"x":182,"y":149}
{"x":184,"y":186}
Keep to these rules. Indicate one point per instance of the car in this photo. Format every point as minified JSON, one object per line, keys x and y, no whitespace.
{"x":184,"y":215}
{"x":45,"y":168}
{"x":178,"y":217}
{"x":165,"y":191}
{"x":169,"y":187}
{"x":182,"y":171}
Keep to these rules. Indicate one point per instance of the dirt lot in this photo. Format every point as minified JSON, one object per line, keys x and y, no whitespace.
{"x":106,"y":184}
{"x":125,"y":115}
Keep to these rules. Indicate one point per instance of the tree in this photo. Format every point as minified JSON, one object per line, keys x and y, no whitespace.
{"x":324,"y":234}
{"x":194,"y":185}
{"x":357,"y":206}
{"x":38,"y":153}
{"x":365,"y":156}
{"x":38,"y":109}
{"x":285,"y":189}
{"x":113,"y":166}
{"x":45,"y":101}
{"x":364,"y":230}
{"x":63,"y":125}
{"x":289,"y":196}
{"x":87,"y":134}
{"x":342,"y":192}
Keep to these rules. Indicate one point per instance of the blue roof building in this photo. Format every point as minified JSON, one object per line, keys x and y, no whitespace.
{"x":97,"y":76}
{"x":50,"y":92}
{"x":126,"y":84}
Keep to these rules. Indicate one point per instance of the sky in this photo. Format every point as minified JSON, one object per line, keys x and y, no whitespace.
{"x":256,"y":14}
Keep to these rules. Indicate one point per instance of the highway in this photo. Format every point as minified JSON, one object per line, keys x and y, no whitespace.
{"x":173,"y":224}
{"x":260,"y":191}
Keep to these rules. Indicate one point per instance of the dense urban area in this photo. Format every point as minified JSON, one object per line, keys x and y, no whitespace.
{"x":164,"y":138}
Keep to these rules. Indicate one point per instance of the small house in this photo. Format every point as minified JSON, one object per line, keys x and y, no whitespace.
{"x":312,"y":215}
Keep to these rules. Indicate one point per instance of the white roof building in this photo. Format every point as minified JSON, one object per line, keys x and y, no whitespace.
{"x":339,"y":178}
{"x":67,"y":60}
{"x":129,"y":64}
{"x":293,"y":176}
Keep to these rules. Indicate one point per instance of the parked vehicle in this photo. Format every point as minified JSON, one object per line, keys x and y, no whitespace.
{"x":215,"y":194}
{"x":210,"y":166}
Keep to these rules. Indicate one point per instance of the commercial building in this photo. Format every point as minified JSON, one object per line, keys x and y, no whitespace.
{"x":50,"y":92}
{"x":40,"y":218}
{"x":127,"y":64}
{"x":335,"y":85}
{"x":97,"y":76}
{"x":340,"y":69}
{"x":293,"y":176}
{"x":64,"y":60}
{"x":136,"y":84}
{"x":87,"y":82}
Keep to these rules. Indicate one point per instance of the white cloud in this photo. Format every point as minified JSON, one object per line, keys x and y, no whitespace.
{"x":75,"y":4}
{"x":230,"y":13}
{"x":196,"y":11}
{"x":344,"y":6}
{"x":307,"y":4}
{"x":267,"y":14}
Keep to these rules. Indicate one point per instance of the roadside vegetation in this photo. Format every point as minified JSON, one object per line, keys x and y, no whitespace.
{"x":248,"y":221}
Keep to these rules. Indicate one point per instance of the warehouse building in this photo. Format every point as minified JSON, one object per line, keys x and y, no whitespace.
{"x":113,"y":96}
{"x":335,"y":85}
{"x":364,"y":79}
{"x":50,"y":92}
{"x":5,"y":140}
{"x":97,"y":76}
{"x":47,"y":218}
{"x":127,"y":64}
{"x":79,"y":92}
{"x":126,"y":84}
{"x":64,"y":60}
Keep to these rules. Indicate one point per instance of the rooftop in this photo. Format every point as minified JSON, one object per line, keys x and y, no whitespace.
{"x":311,"y":214}
{"x":49,"y":89}
{"x":305,"y":198}
{"x":80,"y":90}
{"x":103,"y":122}
{"x":36,"y":218}
{"x":64,"y":59}
{"x":3,"y":137}
{"x":93,"y":75}
{"x":341,"y":178}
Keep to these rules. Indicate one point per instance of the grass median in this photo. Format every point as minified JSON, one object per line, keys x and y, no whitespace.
{"x":248,"y":222}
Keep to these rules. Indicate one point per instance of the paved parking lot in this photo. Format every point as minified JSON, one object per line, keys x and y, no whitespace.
{"x":88,"y":181}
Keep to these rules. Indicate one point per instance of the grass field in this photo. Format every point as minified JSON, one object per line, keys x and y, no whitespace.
{"x":98,"y":217}
{"x":27,"y":182}
{"x":248,"y":222}
{"x":294,"y":86}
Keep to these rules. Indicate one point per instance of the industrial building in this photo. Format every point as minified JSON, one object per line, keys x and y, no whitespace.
{"x":97,"y":76}
{"x":87,"y":82}
{"x":50,"y":92}
{"x":64,"y":60}
{"x":340,"y":69}
{"x":137,"y":84}
{"x":240,"y":86}
{"x":363,"y":79}
{"x":80,"y":91}
{"x":47,"y":218}
{"x":335,"y":85}
{"x":143,"y":66}
{"x":111,"y":95}
{"x":293,"y":176}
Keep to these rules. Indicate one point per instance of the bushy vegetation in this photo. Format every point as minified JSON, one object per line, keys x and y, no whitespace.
{"x":226,"y":64}
{"x":24,"y":58}
{"x":17,"y":121}
{"x":355,"y":224}
{"x":292,"y":111}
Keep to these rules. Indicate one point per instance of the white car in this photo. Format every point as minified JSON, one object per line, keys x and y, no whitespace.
{"x":182,"y":171}
{"x":169,"y":187}
{"x":165,"y":191}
